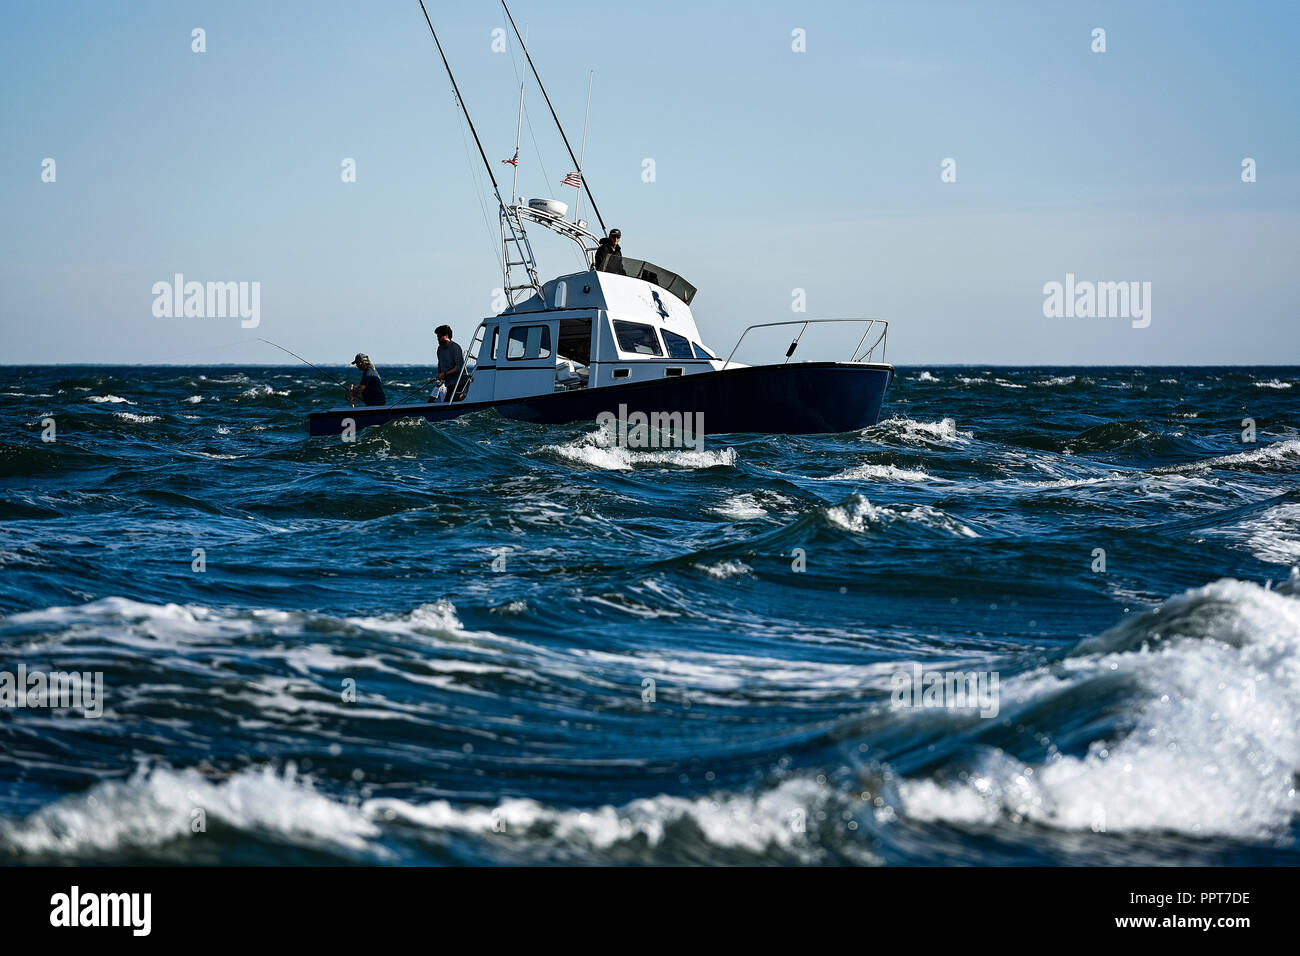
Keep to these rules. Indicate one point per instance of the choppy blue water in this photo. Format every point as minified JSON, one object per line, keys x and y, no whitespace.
{"x":1149,"y":712}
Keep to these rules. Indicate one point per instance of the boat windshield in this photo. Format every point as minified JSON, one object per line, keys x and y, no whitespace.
{"x":649,"y":272}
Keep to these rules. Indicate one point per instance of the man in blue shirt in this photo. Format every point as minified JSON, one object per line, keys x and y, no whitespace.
{"x":370,"y":390}
{"x":451,"y":359}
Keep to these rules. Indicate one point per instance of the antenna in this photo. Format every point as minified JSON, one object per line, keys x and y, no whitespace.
{"x":582,"y":154}
{"x":519,"y":126}
{"x":538,"y":77}
{"x":519,"y":123}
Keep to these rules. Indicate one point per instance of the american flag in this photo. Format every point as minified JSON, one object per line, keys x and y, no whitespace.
{"x":513,"y":160}
{"x":573,"y":179}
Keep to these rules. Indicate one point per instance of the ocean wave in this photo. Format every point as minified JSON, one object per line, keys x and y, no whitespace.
{"x":942,"y":432}
{"x":870,"y":472}
{"x":155,"y":808}
{"x":1272,"y":536}
{"x":774,"y":824}
{"x":1265,"y":457}
{"x":1212,"y":742}
{"x":740,"y":508}
{"x":597,"y":451}
{"x":726,"y":569}
{"x":859,"y":515}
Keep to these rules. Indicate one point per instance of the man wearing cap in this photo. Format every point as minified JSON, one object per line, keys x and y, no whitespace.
{"x":451,"y":359}
{"x":370,"y":390}
{"x":607,"y":250}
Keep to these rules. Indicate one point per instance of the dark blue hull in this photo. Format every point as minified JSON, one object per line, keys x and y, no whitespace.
{"x":804,"y":399}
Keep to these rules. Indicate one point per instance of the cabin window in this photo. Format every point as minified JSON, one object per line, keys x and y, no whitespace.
{"x":702,"y":352}
{"x":678,"y":345}
{"x":622,"y":372}
{"x":672,"y":372}
{"x":496,"y":336}
{"x":637,"y":338}
{"x":529,"y":342}
{"x":649,"y":272}
{"x":575,"y":340}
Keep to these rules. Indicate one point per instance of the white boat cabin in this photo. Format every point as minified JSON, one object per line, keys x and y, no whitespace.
{"x":589,"y":330}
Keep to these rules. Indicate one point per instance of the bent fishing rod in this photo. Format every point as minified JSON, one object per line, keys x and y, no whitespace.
{"x":346,"y":388}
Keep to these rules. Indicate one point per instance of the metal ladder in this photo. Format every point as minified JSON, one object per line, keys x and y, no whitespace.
{"x":475,"y":346}
{"x":528,"y":262}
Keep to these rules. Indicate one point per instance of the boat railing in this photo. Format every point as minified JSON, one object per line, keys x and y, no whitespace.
{"x":862,"y":352}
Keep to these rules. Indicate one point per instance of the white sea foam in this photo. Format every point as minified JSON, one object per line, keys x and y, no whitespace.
{"x":108,"y":399}
{"x":1275,"y":453}
{"x":944,"y":431}
{"x":1215,"y":743}
{"x":154,"y":808}
{"x":194,"y":399}
{"x":726,"y":569}
{"x":597,"y":451}
{"x":926,"y":377}
{"x":1273,"y":383}
{"x":870,"y":472}
{"x":132,"y":417}
{"x":859,"y":515}
{"x":1273,"y":535}
{"x":740,"y":508}
{"x":751,"y":822}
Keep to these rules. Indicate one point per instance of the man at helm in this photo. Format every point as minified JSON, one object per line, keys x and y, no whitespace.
{"x":608,"y":249}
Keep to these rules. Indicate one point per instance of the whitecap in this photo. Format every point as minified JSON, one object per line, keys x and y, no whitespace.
{"x":740,"y":508}
{"x":870,"y":472}
{"x":726,"y":569}
{"x":1214,"y":742}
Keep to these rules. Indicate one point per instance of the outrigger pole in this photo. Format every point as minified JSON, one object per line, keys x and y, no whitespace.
{"x":464,"y":109}
{"x":536,"y":76}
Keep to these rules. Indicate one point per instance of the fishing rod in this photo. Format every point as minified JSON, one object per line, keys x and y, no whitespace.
{"x":464,"y":109}
{"x":422,"y":387}
{"x":346,"y":388}
{"x":538,"y":77}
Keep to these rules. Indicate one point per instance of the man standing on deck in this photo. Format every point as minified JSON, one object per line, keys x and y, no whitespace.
{"x":608,"y":249}
{"x":451,"y":359}
{"x":370,"y":390}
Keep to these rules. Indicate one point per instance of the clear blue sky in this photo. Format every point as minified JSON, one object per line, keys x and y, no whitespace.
{"x":775,"y":170}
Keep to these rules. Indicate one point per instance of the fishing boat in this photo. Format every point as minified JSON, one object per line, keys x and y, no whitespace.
{"x":622,"y":339}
